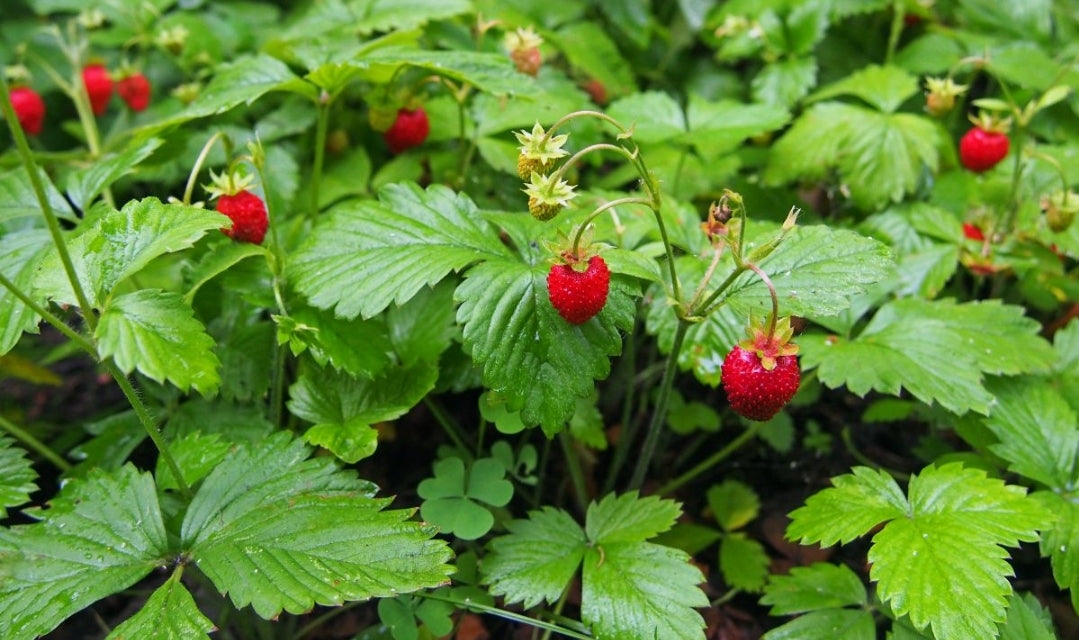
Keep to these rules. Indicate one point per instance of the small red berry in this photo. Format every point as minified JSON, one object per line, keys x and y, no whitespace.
{"x":135,"y":91}
{"x":579,"y":295}
{"x":972,"y":231}
{"x":409,"y":130}
{"x":98,"y":87}
{"x":980,"y":150}
{"x":29,"y":109}
{"x":755,"y":392}
{"x":248,"y":215}
{"x":527,"y":60}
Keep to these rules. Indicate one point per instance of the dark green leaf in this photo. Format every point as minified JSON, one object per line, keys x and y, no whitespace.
{"x":488,"y":72}
{"x":718,"y":127}
{"x":743,"y":562}
{"x":537,"y":559}
{"x":196,"y":454}
{"x":16,"y":476}
{"x":1027,"y":620}
{"x":820,"y":586}
{"x":828,"y":624}
{"x":1038,"y":432}
{"x":18,"y":200}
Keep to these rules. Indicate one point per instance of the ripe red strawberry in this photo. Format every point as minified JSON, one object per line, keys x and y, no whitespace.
{"x":29,"y":109}
{"x":135,"y":91}
{"x":409,"y":130}
{"x":755,"y":392}
{"x":579,"y":295}
{"x":972,"y":231}
{"x":981,"y":149}
{"x":248,"y":215}
{"x":98,"y":87}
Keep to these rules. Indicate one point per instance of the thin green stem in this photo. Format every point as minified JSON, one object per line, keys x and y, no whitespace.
{"x":707,"y":306}
{"x":56,"y":322}
{"x":772,"y":292}
{"x":592,"y":148}
{"x":599,"y":210}
{"x":848,"y":443}
{"x":576,"y":473}
{"x":1017,"y":172}
{"x":192,"y":178}
{"x":557,"y":611}
{"x":28,"y":439}
{"x":468,"y":604}
{"x":148,"y":423}
{"x":898,"y":13}
{"x":447,"y":425}
{"x":659,"y":415}
{"x":324,"y":618}
{"x":628,"y":431}
{"x":321,"y":125}
{"x":43,"y":201}
{"x":585,"y":113}
{"x":712,"y":460}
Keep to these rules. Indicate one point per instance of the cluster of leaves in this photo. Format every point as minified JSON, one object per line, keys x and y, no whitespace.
{"x":394,"y":290}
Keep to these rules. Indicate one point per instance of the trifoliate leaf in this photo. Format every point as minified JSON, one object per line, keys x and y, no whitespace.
{"x":956,"y":345}
{"x":886,"y":88}
{"x":100,"y":535}
{"x":1027,"y":620}
{"x":278,"y":530}
{"x":170,"y":613}
{"x":196,"y":454}
{"x":451,"y":496}
{"x":827,"y":624}
{"x":743,"y":562}
{"x":18,"y":263}
{"x":156,"y":332}
{"x":1038,"y":431}
{"x":733,"y":503}
{"x":343,"y":408}
{"x":539,"y":362}
{"x":83,"y":186}
{"x":629,"y":518}
{"x":16,"y":476}
{"x":817,"y":587}
{"x":537,"y":559}
{"x":367,"y":255}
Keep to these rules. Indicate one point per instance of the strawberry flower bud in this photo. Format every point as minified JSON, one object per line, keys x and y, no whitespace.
{"x":940,"y":99}
{"x":547,"y":195}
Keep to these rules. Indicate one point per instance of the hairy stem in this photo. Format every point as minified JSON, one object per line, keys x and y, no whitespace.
{"x":28,"y":439}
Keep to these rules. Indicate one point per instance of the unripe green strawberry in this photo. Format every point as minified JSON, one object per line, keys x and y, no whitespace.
{"x":409,"y":130}
{"x":98,"y":87}
{"x":1060,"y":210}
{"x":576,"y":295}
{"x":29,"y":109}
{"x":543,"y":211}
{"x":526,"y":165}
{"x":755,"y":392}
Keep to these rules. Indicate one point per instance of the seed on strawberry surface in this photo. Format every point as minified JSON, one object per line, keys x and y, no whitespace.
{"x":755,"y":392}
{"x":577,"y":296}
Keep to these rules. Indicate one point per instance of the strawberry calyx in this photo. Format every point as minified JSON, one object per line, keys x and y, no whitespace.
{"x":228,"y":183}
{"x":770,"y":347}
{"x":538,"y":150}
{"x":547,"y":195}
{"x":991,"y":123}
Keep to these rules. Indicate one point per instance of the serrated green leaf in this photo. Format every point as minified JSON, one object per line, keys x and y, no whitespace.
{"x":423,"y":328}
{"x":743,"y":562}
{"x":196,"y":454}
{"x":589,"y":49}
{"x":634,"y":590}
{"x":368,"y":255}
{"x":278,"y":530}
{"x":170,"y":613}
{"x":856,"y":503}
{"x":1060,"y":543}
{"x":217,"y":261}
{"x":115,"y":437}
{"x":629,"y":518}
{"x":886,"y":88}
{"x":156,"y":332}
{"x":1038,"y":432}
{"x":18,"y":200}
{"x":23,"y":250}
{"x":537,"y":559}
{"x":239,"y":81}
{"x":829,"y":624}
{"x":529,"y":353}
{"x":733,"y":503}
{"x":233,"y":422}
{"x":785,"y":82}
{"x":101,"y":535}
{"x":488,"y":72}
{"x":653,"y":116}
{"x":358,"y":347}
{"x":1027,"y":620}
{"x":16,"y":476}
{"x":343,"y":408}
{"x":718,"y":127}
{"x":85,"y":185}
{"x":820,"y":586}
{"x":388,"y":15}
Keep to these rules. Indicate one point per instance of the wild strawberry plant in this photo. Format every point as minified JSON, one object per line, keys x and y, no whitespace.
{"x":414,"y":318}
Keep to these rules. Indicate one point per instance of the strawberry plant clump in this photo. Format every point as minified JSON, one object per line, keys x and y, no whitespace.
{"x":595,"y":320}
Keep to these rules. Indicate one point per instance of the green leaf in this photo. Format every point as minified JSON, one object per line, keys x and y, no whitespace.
{"x":100,"y":535}
{"x":718,"y":127}
{"x":629,"y":518}
{"x":358,"y":347}
{"x":817,"y":587}
{"x":488,"y":72}
{"x":196,"y":454}
{"x":240,"y":81}
{"x":785,"y":82}
{"x":122,"y":242}
{"x":115,"y":437}
{"x":528,"y":353}
{"x":1027,"y":620}
{"x":537,"y":559}
{"x":1038,"y":432}
{"x":1061,"y":542}
{"x":156,"y":332}
{"x":85,"y":185}
{"x":344,"y":408}
{"x":18,"y":200}
{"x":743,"y":562}
{"x":170,"y":613}
{"x":451,"y":496}
{"x":16,"y":476}
{"x":886,"y":88}
{"x":829,"y":624}
{"x":278,"y":530}
{"x":590,"y":50}
{"x":23,"y":251}
{"x":957,"y":344}
{"x":856,"y":503}
{"x":368,"y":255}
{"x":653,"y":116}
{"x":218,"y":261}
{"x":733,"y":503}
{"x":388,"y":15}
{"x":423,"y":328}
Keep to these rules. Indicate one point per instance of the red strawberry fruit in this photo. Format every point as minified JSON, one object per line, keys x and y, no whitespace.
{"x":985,"y":144}
{"x":134,"y":89}
{"x":248,"y":215}
{"x":527,"y":60}
{"x":409,"y":130}
{"x":972,"y":231}
{"x":761,"y":374}
{"x":578,"y":295}
{"x":29,"y":109}
{"x":98,"y":87}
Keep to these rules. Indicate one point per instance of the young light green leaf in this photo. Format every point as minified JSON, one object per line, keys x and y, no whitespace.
{"x":743,"y":561}
{"x":629,"y":518}
{"x":100,"y":535}
{"x":1038,"y":431}
{"x":156,"y":332}
{"x":343,"y":408}
{"x":537,"y":559}
{"x":653,"y":116}
{"x":886,"y":88}
{"x":633,"y":590}
{"x":529,"y":353}
{"x":278,"y":530}
{"x":196,"y":454}
{"x":818,"y":587}
{"x":856,"y":503}
{"x":170,"y":613}
{"x":23,"y":250}
{"x":733,"y":503}
{"x":408,"y":239}
{"x":786,"y":81}
{"x":16,"y":476}
{"x":18,"y":200}
{"x":827,"y":624}
{"x":1027,"y":620}
{"x":83,"y":186}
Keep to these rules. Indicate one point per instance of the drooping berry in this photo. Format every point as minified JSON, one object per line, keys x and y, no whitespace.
{"x":248,"y":215}
{"x":981,"y":149}
{"x":135,"y":91}
{"x":753,"y":391}
{"x":98,"y":87}
{"x":29,"y":109}
{"x":527,"y":60}
{"x":408,"y":130}
{"x":577,"y":295}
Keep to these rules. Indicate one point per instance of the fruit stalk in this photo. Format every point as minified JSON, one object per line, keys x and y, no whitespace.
{"x":659,"y":414}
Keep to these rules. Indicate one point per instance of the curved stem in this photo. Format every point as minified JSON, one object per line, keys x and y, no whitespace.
{"x":772,"y":292}
{"x":192,"y":177}
{"x":1017,"y":170}
{"x":599,"y":146}
{"x":712,"y":460}
{"x":28,"y":439}
{"x":898,"y":14}
{"x":447,"y":425}
{"x":659,"y":415}
{"x":468,"y":604}
{"x":51,"y":220}
{"x":708,"y":305}
{"x":600,"y":209}
{"x":584,"y":113}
